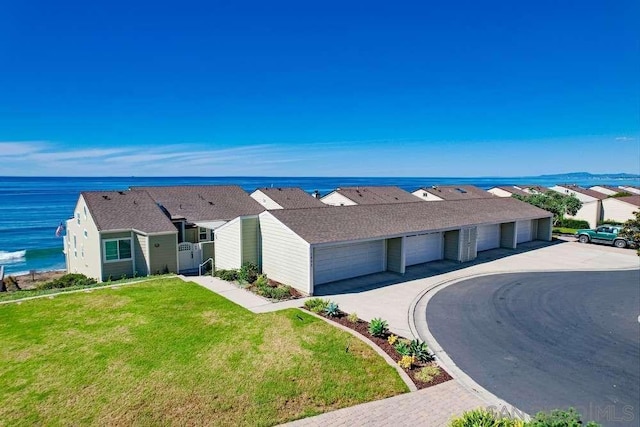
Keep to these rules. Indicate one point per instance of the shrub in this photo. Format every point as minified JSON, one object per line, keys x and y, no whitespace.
{"x":407,"y":362}
{"x":248,"y":273}
{"x":428,"y":373}
{"x":572,"y":223}
{"x":68,"y":280}
{"x":316,"y":305}
{"x":353,"y":317}
{"x":262,"y":281}
{"x":392,"y":339}
{"x":402,"y":347}
{"x":275,"y":292}
{"x":378,"y":327}
{"x":332,"y":309}
{"x":559,"y":418}
{"x":228,"y":275}
{"x":610,"y":222}
{"x":420,"y":350}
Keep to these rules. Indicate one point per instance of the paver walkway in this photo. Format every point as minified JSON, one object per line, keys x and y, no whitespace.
{"x":433,"y":406}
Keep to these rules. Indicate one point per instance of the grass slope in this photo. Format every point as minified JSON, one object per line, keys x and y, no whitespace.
{"x":169,"y":352}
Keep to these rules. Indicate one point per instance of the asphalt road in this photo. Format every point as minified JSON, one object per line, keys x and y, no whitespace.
{"x":548,"y":340}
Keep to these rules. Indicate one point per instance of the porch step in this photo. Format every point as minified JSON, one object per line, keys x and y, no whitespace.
{"x":190,"y":272}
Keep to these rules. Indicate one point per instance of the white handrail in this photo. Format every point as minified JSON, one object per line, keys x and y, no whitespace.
{"x":200,"y":266}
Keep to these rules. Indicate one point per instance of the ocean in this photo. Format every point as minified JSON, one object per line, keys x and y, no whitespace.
{"x":31,"y":208}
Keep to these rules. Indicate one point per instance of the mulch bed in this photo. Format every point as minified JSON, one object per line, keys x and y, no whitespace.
{"x":363,"y":328}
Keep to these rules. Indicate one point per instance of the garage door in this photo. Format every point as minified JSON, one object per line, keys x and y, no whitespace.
{"x":345,"y":261}
{"x":524,"y":231}
{"x":488,"y":237}
{"x":423,"y":248}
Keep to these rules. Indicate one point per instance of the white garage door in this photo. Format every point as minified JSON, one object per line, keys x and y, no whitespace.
{"x":345,"y":261}
{"x":423,"y":248}
{"x":488,"y":237}
{"x":524,"y":231}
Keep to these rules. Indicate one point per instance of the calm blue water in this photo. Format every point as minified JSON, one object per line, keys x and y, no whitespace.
{"x":32,"y":208}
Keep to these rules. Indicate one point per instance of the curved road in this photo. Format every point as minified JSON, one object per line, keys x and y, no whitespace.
{"x":548,"y":340}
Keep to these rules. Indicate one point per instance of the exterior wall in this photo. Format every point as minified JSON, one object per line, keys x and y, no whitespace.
{"x":116,"y":269}
{"x":544,"y":229}
{"x":336,"y":199}
{"x":603,"y":190}
{"x":228,"y":254}
{"x":191,"y":235}
{"x":164,"y":256}
{"x":590,"y":212}
{"x":285,"y":256}
{"x":425,"y":195}
{"x":265,"y":200}
{"x":499,"y":192}
{"x":468,"y":244}
{"x":618,"y":210}
{"x":508,"y":235}
{"x":141,"y":253}
{"x":208,"y":251}
{"x":452,"y":245}
{"x":395,"y":255}
{"x":91,"y":264}
{"x":250,"y":240}
{"x":582,"y":197}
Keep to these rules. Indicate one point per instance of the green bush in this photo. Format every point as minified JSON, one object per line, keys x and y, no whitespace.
{"x":353,"y":317}
{"x":428,"y":373}
{"x":559,"y":418}
{"x":228,"y":275}
{"x":572,"y":223}
{"x":275,"y":292}
{"x":248,"y":273}
{"x":332,"y":309}
{"x":378,"y":327}
{"x":316,"y":305}
{"x":402,"y":347}
{"x":262,"y":281}
{"x":66,"y":281}
{"x":610,"y":222}
{"x":484,"y":418}
{"x":419,"y":349}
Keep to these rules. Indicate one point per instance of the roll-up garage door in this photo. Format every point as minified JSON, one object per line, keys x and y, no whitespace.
{"x":331,"y":263}
{"x":524,"y":231}
{"x":488,"y":237}
{"x":423,"y":248}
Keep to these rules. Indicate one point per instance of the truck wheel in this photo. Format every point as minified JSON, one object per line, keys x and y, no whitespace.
{"x":620,"y":244}
{"x":583,"y":238}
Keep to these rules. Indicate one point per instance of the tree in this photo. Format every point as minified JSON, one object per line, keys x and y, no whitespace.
{"x":631,"y":229}
{"x":557,"y":203}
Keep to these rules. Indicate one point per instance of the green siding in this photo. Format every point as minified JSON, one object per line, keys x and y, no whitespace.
{"x":163,"y":253}
{"x":250,"y":240}
{"x":116,"y":270}
{"x":141,"y":254}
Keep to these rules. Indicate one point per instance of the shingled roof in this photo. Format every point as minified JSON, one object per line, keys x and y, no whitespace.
{"x":124,"y":210}
{"x":585,"y":191}
{"x":347,"y":223}
{"x":377,"y":195}
{"x":632,"y":200}
{"x":292,"y":198}
{"x":204,"y":202}
{"x":457,"y":192}
{"x":513,"y":190}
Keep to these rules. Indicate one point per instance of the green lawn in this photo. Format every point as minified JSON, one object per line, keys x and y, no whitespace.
{"x":564,"y":230}
{"x":169,"y":352}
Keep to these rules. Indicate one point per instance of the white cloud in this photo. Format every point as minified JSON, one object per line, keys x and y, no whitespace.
{"x":625,"y":138}
{"x":20,"y":148}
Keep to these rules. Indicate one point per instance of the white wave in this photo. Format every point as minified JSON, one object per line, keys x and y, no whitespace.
{"x":12,"y":256}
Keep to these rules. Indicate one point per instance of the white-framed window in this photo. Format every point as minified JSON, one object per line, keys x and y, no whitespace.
{"x":78,"y":217}
{"x":203,"y":233}
{"x":85,"y":212}
{"x":82,"y":251}
{"x":75,"y":246}
{"x":117,"y":249}
{"x":85,"y":233}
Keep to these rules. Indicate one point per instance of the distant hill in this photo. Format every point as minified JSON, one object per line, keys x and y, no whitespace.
{"x":580,"y":176}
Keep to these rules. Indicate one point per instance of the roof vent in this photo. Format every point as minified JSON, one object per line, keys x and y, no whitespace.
{"x":461,"y":190}
{"x":211,"y":203}
{"x":106,"y":197}
{"x":121,"y":193}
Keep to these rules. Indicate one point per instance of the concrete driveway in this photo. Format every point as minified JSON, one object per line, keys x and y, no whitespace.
{"x":546,"y":340}
{"x":394,"y":297}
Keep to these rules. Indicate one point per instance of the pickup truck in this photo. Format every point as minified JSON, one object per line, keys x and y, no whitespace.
{"x":607,"y":234}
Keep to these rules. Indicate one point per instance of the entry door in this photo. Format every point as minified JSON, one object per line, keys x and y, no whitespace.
{"x":189,"y":256}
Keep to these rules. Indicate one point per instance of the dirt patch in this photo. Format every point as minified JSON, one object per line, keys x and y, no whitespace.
{"x":363,"y":328}
{"x":31,"y":281}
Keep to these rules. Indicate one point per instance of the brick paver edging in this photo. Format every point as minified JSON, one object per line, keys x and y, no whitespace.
{"x":385,"y":356}
{"x":54,"y":294}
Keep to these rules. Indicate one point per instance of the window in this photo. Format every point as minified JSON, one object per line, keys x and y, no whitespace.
{"x":85,"y":233}
{"x":85,"y":212}
{"x":82,"y":251}
{"x":204,"y":233}
{"x":78,"y":217}
{"x":75,"y":246}
{"x":117,"y":249}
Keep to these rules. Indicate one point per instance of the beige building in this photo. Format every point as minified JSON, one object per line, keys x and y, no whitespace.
{"x":620,"y":209}
{"x":591,"y":210}
{"x":438,"y":193}
{"x":351,"y":196}
{"x":285,"y":198}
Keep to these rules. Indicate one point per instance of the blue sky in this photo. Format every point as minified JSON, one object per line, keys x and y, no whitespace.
{"x":319,"y":88}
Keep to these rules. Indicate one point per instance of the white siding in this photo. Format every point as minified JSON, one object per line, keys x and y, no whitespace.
{"x":589,"y":212}
{"x":348,"y":260}
{"x":425,"y":195}
{"x":228,"y":253}
{"x":630,"y":189}
{"x":336,"y":199}
{"x":423,"y":248}
{"x":285,"y":256}
{"x":91,"y":264}
{"x":524,"y":231}
{"x":603,"y":190}
{"x":499,"y":192}
{"x":488,"y":237}
{"x":582,"y":197}
{"x":265,"y":200}
{"x":617,"y":210}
